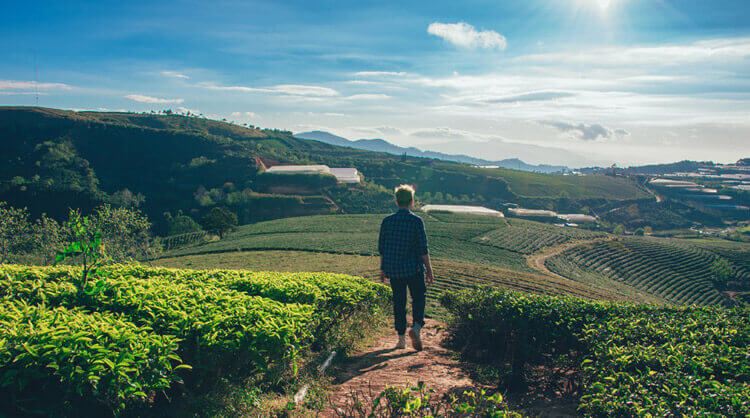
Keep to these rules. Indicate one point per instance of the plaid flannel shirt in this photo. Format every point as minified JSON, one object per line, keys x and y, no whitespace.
{"x":402,"y":243}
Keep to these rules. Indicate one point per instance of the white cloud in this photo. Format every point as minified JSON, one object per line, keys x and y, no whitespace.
{"x":284,"y":89}
{"x":464,"y":35}
{"x":587,"y":132}
{"x":245,"y":114}
{"x":440,"y":133}
{"x":368,"y":97}
{"x":24,"y":85}
{"x":154,"y":100}
{"x":174,"y":74}
{"x":709,"y":51}
{"x":379,"y":73}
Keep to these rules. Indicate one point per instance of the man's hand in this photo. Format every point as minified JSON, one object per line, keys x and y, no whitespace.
{"x":382,"y":276}
{"x":429,"y":277}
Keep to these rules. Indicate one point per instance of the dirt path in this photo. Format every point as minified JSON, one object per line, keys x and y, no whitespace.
{"x":370,"y":370}
{"x":537,"y":260}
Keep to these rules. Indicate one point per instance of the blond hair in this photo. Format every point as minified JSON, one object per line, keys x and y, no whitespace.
{"x":404,"y":195}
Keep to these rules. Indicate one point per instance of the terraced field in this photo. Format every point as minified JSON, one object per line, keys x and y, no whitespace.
{"x":348,"y":244}
{"x":676,"y":273}
{"x":527,"y":237}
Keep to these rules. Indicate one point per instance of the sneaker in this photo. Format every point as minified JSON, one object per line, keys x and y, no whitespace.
{"x":401,"y":342}
{"x":416,"y":340}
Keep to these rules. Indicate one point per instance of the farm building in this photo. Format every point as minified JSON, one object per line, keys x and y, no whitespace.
{"x":576,"y":218}
{"x":343,"y":175}
{"x":470,"y":210}
{"x":532,"y":213}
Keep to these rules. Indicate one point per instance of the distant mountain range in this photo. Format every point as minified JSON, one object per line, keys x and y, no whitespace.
{"x":381,"y":145}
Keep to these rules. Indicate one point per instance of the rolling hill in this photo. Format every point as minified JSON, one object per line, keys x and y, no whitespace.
{"x":53,"y":159}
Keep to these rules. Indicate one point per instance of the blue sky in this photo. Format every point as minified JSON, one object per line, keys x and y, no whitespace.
{"x":557,"y":81}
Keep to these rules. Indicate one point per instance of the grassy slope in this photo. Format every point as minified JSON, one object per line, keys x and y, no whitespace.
{"x":544,"y":185}
{"x":348,"y":244}
{"x":470,"y":250}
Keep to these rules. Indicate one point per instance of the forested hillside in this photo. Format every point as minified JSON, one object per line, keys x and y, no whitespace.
{"x":51,"y":160}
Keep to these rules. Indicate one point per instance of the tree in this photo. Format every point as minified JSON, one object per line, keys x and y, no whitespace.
{"x":126,"y":233}
{"x":47,"y":236}
{"x":219,"y":220}
{"x":640,"y":232}
{"x":180,"y":224}
{"x":619,"y":230}
{"x":721,"y":272}
{"x":14,"y":232}
{"x":648,"y":230}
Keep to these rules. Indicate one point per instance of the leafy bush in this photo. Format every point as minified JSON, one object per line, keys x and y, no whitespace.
{"x":52,"y":356}
{"x":232,"y":325}
{"x":633,"y":358}
{"x":420,"y":401}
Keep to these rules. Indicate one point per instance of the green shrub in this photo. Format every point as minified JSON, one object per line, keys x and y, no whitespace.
{"x":50,"y":357}
{"x":634,"y":359}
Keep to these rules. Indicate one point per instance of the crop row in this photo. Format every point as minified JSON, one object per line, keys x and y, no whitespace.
{"x":239,"y":323}
{"x":632,"y":359}
{"x":527,"y":237}
{"x":678,"y":274}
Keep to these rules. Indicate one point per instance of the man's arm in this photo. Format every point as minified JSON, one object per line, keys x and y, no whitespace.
{"x":428,"y":268}
{"x":423,"y":250}
{"x":381,"y":242}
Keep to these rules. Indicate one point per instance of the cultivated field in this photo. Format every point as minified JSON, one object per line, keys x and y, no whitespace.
{"x":470,"y":250}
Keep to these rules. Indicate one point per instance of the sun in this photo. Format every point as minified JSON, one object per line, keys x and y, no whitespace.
{"x":602,"y":5}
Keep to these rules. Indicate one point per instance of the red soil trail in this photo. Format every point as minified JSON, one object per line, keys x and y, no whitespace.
{"x":371,"y":369}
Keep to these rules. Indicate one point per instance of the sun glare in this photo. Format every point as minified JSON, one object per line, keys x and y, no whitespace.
{"x":601,"y":5}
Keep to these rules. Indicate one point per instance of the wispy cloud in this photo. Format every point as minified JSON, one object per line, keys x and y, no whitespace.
{"x":714,"y":51}
{"x":440,"y":133}
{"x":368,"y":97}
{"x":245,"y":115}
{"x":532,"y":97}
{"x":464,"y":35}
{"x":587,"y":132}
{"x":284,"y":89}
{"x":153,"y":100}
{"x":25,"y":85}
{"x":379,"y":73}
{"x":174,"y":74}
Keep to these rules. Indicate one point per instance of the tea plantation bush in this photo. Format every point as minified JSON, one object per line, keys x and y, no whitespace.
{"x":632,"y":359}
{"x":227,"y":324}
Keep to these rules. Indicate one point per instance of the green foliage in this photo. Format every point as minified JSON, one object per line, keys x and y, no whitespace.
{"x":86,"y":248}
{"x":126,"y":233}
{"x":55,"y":359}
{"x":634,"y":359}
{"x":227,"y":324}
{"x":619,"y":229}
{"x":180,"y":224}
{"x":420,"y":401}
{"x":722,"y":272}
{"x":219,"y":220}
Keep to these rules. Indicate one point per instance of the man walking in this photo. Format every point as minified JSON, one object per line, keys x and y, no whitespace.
{"x":403,"y":260}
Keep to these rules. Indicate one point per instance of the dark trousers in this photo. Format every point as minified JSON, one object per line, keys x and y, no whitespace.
{"x":417,"y":291}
